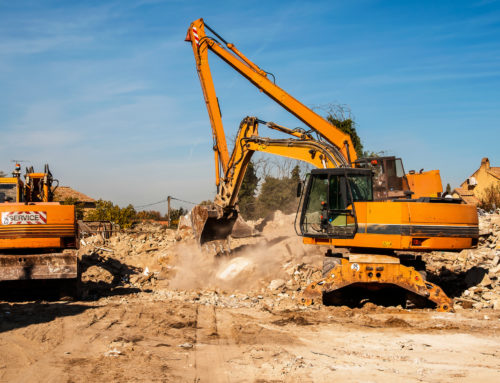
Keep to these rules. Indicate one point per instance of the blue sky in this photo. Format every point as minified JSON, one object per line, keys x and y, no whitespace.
{"x":106,"y":92}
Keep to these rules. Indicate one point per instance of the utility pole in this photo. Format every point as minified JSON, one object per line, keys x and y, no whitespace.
{"x":168,"y":210}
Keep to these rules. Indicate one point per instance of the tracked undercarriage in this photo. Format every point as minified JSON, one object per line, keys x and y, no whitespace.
{"x":374,"y":272}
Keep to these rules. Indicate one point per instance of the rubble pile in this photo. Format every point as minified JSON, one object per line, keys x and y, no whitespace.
{"x":138,"y":257}
{"x":153,"y":256}
{"x":268,"y":268}
{"x":471,"y":276}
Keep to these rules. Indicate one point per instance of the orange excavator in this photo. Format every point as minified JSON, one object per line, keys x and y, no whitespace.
{"x":376,"y":221}
{"x":38,"y":237}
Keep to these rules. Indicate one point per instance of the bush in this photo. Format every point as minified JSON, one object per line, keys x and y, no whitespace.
{"x":107,"y":211}
{"x":149,"y":214}
{"x":490,"y":200}
{"x":176,"y":214}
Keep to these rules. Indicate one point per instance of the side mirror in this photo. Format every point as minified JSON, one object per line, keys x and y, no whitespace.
{"x":300,"y":185}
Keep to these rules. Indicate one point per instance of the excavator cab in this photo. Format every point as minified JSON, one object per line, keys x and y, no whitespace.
{"x":38,"y":186}
{"x":11,"y":188}
{"x":389,"y":181}
{"x":327,"y":209}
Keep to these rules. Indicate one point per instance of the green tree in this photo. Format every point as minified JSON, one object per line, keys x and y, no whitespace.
{"x":369,"y":153}
{"x":107,"y":211}
{"x":175,"y":214}
{"x":279,"y":194}
{"x":341,"y":117}
{"x":295,"y":176}
{"x":448,"y":189}
{"x":273,"y":196}
{"x":246,"y":195}
{"x":149,"y":214}
{"x":348,"y":127}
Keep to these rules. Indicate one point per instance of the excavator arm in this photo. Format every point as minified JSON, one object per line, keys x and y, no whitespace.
{"x":334,"y":147}
{"x":303,"y":148}
{"x":214,"y":222}
{"x":201,"y":43}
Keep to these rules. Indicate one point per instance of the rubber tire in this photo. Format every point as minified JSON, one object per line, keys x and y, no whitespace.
{"x":329,"y":263}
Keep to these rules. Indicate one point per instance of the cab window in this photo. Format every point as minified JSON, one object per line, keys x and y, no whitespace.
{"x":8,"y":192}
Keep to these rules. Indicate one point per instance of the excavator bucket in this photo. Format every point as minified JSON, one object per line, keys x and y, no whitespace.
{"x":212,"y":223}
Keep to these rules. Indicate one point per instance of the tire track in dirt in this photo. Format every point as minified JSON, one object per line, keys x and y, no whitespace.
{"x":138,"y":338}
{"x":44,"y":346}
{"x":209,"y":355}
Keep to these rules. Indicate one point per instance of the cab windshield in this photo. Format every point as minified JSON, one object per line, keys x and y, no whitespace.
{"x":328,"y":203}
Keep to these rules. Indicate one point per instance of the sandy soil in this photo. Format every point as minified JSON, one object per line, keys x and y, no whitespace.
{"x":166,"y":336}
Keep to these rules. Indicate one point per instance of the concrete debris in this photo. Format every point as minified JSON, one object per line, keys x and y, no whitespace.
{"x":235,"y":268}
{"x":472,"y":276}
{"x":242,"y":229}
{"x":114,"y":352}
{"x":97,"y":274}
{"x":276,"y":284}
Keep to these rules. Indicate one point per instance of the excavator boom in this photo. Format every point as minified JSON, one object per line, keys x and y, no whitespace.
{"x":201,"y":43}
{"x":215,"y":222}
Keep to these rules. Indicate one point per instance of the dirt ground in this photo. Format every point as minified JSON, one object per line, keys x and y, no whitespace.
{"x":166,"y":337}
{"x":152,"y":311}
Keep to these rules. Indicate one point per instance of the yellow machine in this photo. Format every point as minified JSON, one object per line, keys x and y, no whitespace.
{"x":367,"y":206}
{"x":38,"y":237}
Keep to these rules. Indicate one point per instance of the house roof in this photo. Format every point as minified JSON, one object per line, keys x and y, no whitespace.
{"x":64,"y":192}
{"x":471,"y":200}
{"x":467,"y":195}
{"x":463,"y":192}
{"x":485,"y":164}
{"x":495,"y":172}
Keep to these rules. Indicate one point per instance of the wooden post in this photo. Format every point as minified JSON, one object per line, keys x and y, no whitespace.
{"x":168,"y":210}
